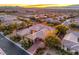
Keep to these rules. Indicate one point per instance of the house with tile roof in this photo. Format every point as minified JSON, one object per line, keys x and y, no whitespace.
{"x":9,"y":19}
{"x":41,"y":34}
{"x":71,"y":41}
{"x":36,"y":31}
{"x":51,"y":20}
{"x":34,"y":28}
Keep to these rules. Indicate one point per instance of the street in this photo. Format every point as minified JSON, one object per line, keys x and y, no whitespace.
{"x":10,"y":48}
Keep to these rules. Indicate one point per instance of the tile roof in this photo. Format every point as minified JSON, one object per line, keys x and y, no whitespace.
{"x":37,"y":28}
{"x":71,"y":41}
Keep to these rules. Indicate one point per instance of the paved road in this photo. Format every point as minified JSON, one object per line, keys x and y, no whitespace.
{"x":10,"y":48}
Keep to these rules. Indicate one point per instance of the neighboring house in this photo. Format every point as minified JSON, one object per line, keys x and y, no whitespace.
{"x":40,"y":16}
{"x":60,"y":18}
{"x":7,"y":19}
{"x":71,"y":41}
{"x":70,"y":21}
{"x":76,"y":20}
{"x":51,"y":20}
{"x":23,"y":18}
{"x":67,"y":22}
{"x":27,"y":16}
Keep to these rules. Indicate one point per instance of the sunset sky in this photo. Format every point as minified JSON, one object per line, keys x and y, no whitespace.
{"x":37,"y":3}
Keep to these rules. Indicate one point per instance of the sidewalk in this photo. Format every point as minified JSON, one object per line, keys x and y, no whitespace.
{"x":2,"y":52}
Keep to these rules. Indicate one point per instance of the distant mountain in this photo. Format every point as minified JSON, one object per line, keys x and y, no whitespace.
{"x":72,"y":6}
{"x":65,"y":7}
{"x":38,"y":8}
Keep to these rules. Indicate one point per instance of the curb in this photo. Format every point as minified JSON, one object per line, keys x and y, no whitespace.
{"x":15,"y":44}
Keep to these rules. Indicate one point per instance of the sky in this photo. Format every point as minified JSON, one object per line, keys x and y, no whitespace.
{"x":31,"y":2}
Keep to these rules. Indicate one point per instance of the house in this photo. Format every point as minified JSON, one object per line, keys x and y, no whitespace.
{"x":71,"y":41}
{"x":76,"y":20}
{"x":38,"y":38}
{"x":42,"y":16}
{"x":67,"y":22}
{"x":36,"y":27}
{"x":36,"y":31}
{"x":60,"y":17}
{"x":51,"y":20}
{"x":23,"y":18}
{"x":7,"y":19}
{"x":27,"y":31}
{"x":41,"y":34}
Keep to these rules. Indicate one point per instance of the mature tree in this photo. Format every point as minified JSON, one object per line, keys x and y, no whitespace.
{"x":61,"y":29}
{"x":7,"y":29}
{"x":13,"y":26}
{"x":2,"y":26}
{"x":52,"y":41}
{"x":22,"y":25}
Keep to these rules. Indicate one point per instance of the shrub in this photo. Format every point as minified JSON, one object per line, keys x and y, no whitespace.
{"x":40,"y":51}
{"x":26,"y":43}
{"x":16,"y":38}
{"x":73,"y":25}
